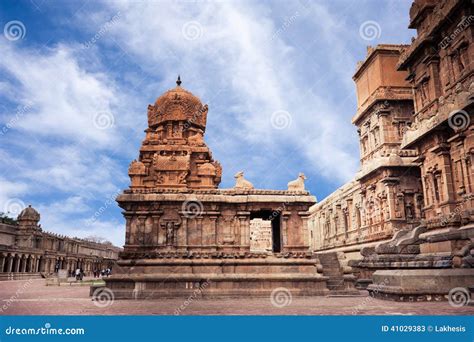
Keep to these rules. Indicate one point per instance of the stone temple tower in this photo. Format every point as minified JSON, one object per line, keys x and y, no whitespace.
{"x":173,"y":154}
{"x":182,"y":231}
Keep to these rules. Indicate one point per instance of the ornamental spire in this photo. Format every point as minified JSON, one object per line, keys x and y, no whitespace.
{"x":178,"y":81}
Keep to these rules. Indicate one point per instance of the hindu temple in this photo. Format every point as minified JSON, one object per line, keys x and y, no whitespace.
{"x":185,"y":233}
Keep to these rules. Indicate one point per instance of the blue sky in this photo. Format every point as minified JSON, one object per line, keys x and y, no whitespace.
{"x":76,"y":78}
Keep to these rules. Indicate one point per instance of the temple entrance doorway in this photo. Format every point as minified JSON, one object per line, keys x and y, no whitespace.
{"x":274,"y":217}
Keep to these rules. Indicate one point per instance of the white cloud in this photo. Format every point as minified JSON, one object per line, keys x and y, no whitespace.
{"x":61,"y":218}
{"x":10,"y":196}
{"x":237,"y":53}
{"x":65,"y":99}
{"x":54,"y":148}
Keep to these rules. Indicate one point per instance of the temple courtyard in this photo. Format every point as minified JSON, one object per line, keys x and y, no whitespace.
{"x":33,"y":297}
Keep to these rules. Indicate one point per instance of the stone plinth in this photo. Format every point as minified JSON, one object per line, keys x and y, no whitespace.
{"x":160,"y":278}
{"x":422,"y":284}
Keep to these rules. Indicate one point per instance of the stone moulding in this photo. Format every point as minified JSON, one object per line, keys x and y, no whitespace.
{"x":227,"y":192}
{"x":416,"y":285}
{"x":221,"y":198}
{"x":218,"y":262}
{"x":383,"y":93}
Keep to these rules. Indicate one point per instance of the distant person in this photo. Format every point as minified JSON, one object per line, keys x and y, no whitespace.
{"x":78,"y":273}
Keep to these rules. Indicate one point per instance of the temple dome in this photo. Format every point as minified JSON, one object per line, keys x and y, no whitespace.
{"x":178,"y":104}
{"x":29,"y":213}
{"x":178,"y":92}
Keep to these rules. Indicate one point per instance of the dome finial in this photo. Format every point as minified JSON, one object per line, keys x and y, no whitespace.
{"x":178,"y":81}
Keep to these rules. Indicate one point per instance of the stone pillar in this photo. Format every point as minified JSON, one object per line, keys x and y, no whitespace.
{"x":2,"y":263}
{"x":23,"y":264}
{"x":16,"y":263}
{"x":132,"y":238}
{"x":140,"y":234}
{"x":156,"y":229}
{"x":213,"y":230}
{"x":182,"y":232}
{"x":199,"y":227}
{"x":448,"y":186}
{"x":244,"y":222}
{"x":390,"y":186}
{"x":127,"y":228}
{"x":10,"y":264}
{"x":29,"y":264}
{"x":304,"y":226}
{"x":148,"y":228}
{"x":285,"y":215}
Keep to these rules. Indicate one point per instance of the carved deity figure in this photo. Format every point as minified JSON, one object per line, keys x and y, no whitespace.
{"x":169,"y":233}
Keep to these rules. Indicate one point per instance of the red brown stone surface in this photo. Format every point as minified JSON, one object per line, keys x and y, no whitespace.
{"x":410,"y":207}
{"x":174,"y":154}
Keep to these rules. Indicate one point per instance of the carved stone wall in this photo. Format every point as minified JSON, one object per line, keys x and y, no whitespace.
{"x":422,"y":184}
{"x":386,"y":194}
{"x":440,"y":65}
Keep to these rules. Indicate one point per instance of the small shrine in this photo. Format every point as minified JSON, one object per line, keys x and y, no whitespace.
{"x":183,"y":231}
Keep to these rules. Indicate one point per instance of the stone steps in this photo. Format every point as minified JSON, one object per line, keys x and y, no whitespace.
{"x":332,"y":269}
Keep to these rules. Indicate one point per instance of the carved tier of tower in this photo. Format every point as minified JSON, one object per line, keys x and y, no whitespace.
{"x":174,"y":154}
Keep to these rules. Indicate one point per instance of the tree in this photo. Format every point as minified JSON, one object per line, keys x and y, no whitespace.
{"x":8,"y":220}
{"x":97,"y":239}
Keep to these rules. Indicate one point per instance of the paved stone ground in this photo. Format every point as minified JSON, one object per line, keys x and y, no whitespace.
{"x":33,"y":297}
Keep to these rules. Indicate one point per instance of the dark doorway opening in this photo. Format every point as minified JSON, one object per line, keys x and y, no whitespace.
{"x":274,"y":217}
